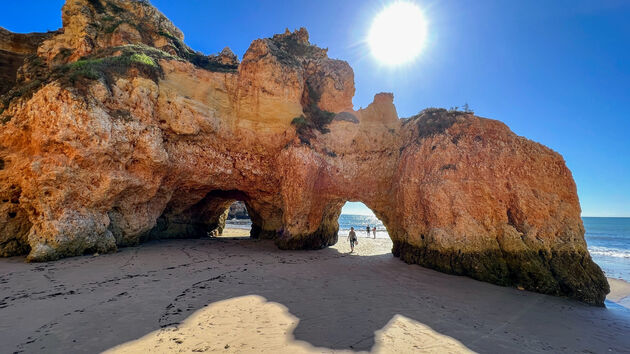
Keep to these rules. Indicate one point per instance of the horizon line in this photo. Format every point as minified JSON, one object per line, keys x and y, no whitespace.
{"x":582,"y":216}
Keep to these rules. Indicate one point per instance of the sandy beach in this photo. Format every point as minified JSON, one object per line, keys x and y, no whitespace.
{"x":233,"y":294}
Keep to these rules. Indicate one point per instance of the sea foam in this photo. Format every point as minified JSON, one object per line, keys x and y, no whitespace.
{"x":609,"y":252}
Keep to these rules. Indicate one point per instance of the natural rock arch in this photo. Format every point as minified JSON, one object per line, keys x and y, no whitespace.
{"x":111,"y":136}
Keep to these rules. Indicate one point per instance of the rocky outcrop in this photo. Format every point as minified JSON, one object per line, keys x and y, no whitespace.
{"x":15,"y":48}
{"x":237,"y":210}
{"x":121,"y":133}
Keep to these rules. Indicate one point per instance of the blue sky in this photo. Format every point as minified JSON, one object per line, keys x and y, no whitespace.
{"x":557,"y":72}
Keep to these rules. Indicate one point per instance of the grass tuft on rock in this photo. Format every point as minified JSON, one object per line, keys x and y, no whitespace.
{"x":314,"y":118}
{"x":104,"y":65}
{"x":304,"y":129}
{"x":132,"y":56}
{"x":143,"y":59}
{"x":434,"y":121}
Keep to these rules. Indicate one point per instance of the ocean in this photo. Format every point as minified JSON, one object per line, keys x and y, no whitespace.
{"x":608,"y":239}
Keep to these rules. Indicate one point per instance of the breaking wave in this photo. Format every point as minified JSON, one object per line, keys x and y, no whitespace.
{"x":609,"y":252}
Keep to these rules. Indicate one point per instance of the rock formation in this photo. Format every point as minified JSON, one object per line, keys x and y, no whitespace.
{"x":238,"y":210}
{"x":114,"y":132}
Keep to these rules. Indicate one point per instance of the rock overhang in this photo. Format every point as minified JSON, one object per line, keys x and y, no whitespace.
{"x":151,"y":139}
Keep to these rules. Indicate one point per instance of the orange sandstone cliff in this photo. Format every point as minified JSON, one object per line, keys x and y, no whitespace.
{"x":113,"y":132}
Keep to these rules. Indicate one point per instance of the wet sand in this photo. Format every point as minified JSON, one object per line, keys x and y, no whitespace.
{"x":234,"y":294}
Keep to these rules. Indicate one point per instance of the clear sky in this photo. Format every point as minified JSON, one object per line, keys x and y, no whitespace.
{"x":557,"y":72}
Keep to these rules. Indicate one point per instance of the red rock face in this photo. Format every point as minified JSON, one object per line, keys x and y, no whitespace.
{"x":144,"y":138}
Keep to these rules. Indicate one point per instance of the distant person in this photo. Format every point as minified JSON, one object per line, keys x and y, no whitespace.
{"x":352,"y":237}
{"x":367,"y":229}
{"x":374,"y":231}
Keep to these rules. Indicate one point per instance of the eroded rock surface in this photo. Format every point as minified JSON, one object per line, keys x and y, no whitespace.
{"x":116,"y":132}
{"x":238,"y":210}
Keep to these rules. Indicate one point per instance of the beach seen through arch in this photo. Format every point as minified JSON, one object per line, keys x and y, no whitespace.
{"x":360,"y":216}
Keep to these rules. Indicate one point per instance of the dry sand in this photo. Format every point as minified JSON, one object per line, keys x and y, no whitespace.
{"x":235,"y":233}
{"x":234,"y":294}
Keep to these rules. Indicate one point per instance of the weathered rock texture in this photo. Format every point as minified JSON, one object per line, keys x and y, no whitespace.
{"x":14,"y":48}
{"x":238,"y":210}
{"x":115,"y":132}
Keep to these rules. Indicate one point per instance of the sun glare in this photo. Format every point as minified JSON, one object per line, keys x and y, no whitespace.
{"x":398,"y":33}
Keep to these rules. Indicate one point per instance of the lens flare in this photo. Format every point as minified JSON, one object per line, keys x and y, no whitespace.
{"x":398,"y":34}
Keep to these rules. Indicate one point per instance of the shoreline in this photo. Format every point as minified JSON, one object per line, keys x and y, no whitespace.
{"x":619,"y":292}
{"x":236,"y":294}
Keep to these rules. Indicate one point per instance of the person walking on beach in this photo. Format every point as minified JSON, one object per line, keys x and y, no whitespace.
{"x":367,"y":229}
{"x":374,"y":231}
{"x":352,"y":237}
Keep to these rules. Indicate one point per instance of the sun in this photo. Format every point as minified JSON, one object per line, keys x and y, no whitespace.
{"x":398,"y":34}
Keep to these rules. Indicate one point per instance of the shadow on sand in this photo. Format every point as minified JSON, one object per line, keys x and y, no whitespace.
{"x":336,"y":301}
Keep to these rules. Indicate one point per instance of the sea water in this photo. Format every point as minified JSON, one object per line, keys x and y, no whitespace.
{"x":346,"y":221}
{"x":608,"y":239}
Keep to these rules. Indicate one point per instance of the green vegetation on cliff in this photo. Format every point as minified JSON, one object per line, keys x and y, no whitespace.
{"x":314,"y":118}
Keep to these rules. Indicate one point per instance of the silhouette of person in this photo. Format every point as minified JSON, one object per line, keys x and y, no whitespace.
{"x":352,"y":237}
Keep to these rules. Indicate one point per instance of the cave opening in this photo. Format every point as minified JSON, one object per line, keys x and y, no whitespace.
{"x":238,"y":222}
{"x":230,"y":216}
{"x":207,"y":217}
{"x":361,"y":217}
